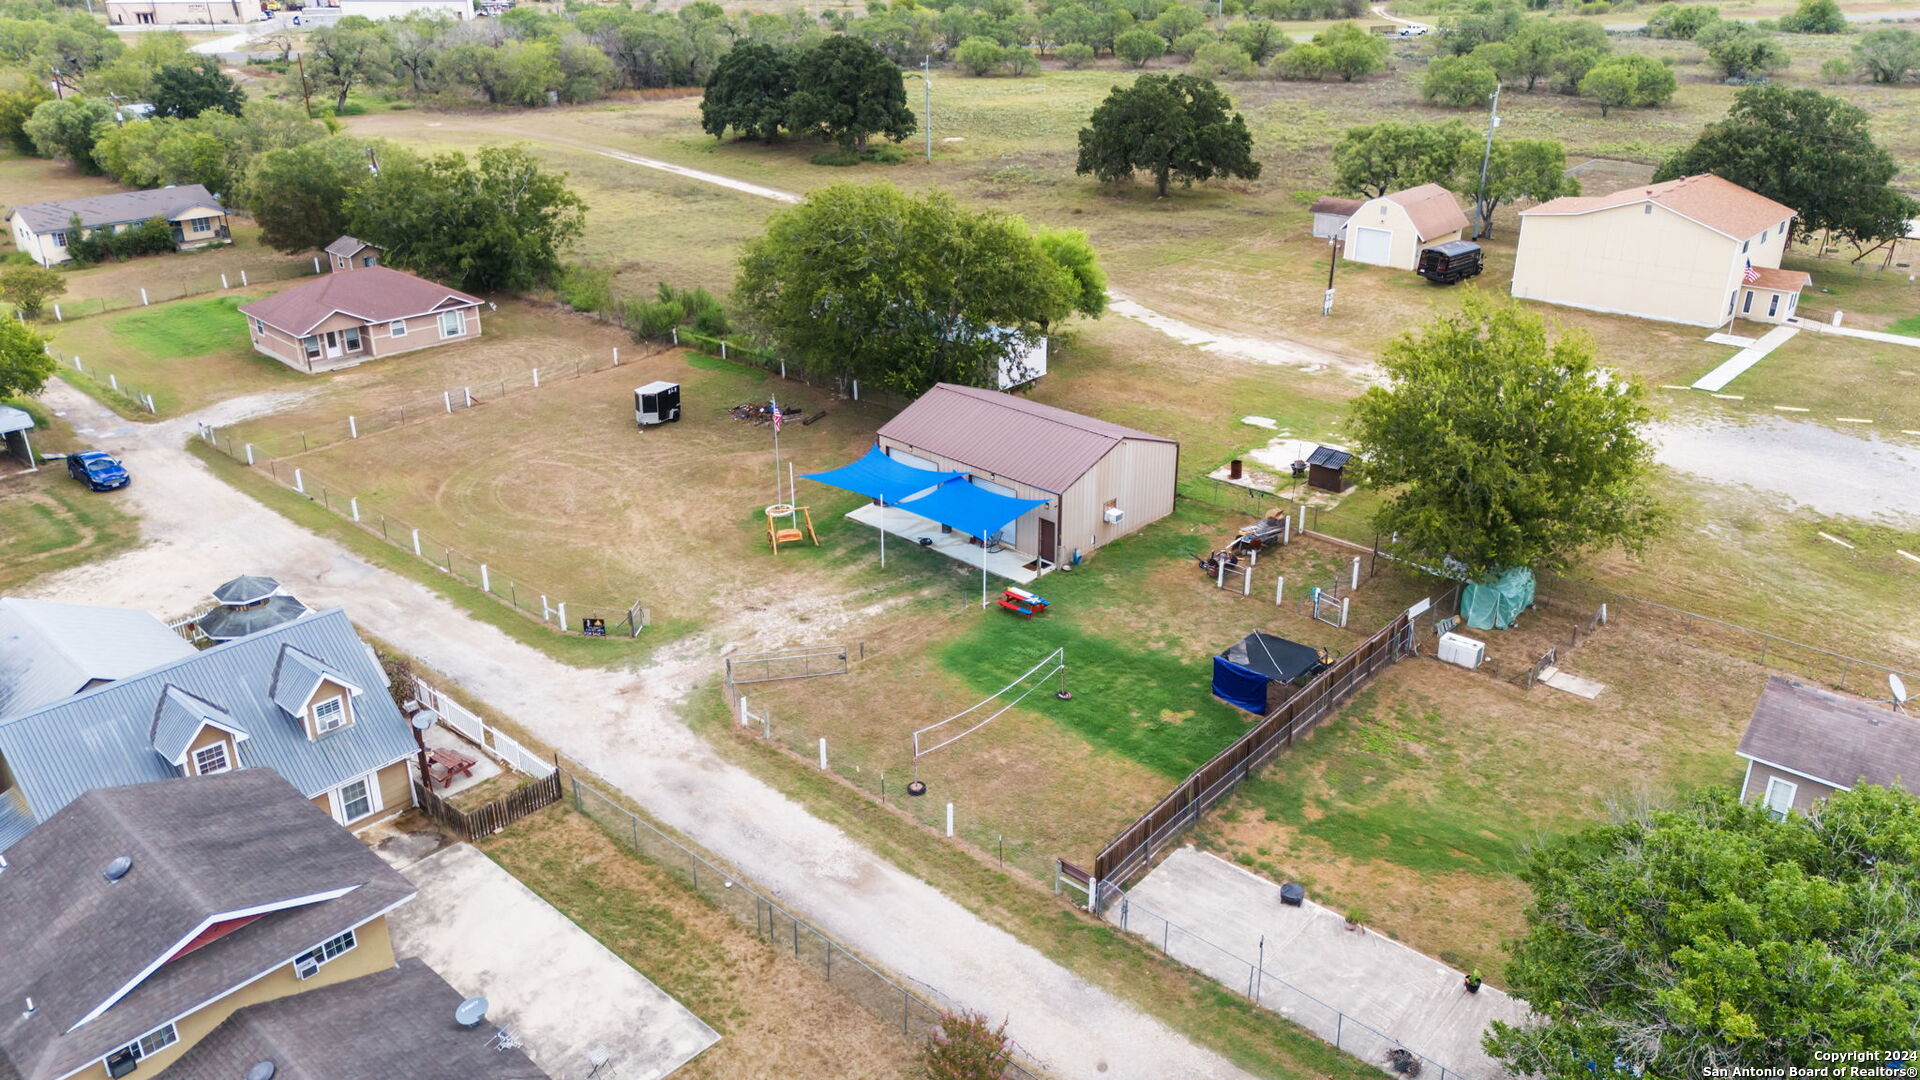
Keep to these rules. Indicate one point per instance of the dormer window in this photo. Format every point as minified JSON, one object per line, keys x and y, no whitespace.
{"x":330,"y":715}
{"x":212,"y":758}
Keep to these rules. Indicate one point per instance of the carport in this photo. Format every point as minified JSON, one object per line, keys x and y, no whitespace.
{"x":14,"y":425}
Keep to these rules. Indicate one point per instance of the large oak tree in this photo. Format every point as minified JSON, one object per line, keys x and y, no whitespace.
{"x":1175,"y":127}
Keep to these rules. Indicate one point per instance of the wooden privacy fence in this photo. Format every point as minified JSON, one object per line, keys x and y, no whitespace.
{"x":486,"y":820}
{"x":1130,"y":852}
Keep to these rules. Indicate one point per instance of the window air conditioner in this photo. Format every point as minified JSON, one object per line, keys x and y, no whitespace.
{"x":306,"y":967}
{"x":1113,"y":515}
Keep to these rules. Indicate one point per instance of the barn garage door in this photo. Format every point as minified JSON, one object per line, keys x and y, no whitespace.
{"x":914,"y":460}
{"x":1371,"y":245}
{"x":1005,"y":535}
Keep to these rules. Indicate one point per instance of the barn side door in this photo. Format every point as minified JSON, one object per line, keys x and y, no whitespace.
{"x":1049,"y":543}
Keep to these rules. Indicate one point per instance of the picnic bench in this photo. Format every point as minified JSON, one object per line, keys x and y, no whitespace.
{"x":444,"y":764}
{"x":1022,"y":603}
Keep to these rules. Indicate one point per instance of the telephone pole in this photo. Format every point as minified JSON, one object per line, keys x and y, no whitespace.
{"x":301,"y":60}
{"x":1333,"y":260}
{"x":1481,"y":226}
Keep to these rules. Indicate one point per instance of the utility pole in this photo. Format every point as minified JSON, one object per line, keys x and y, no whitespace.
{"x":1333,"y":260}
{"x":1482,"y":226}
{"x":926,"y":82}
{"x":300,"y":59}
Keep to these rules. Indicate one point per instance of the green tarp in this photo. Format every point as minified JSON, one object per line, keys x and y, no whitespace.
{"x":1496,"y":602}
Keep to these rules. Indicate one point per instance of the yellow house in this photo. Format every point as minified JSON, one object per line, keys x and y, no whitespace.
{"x":1698,"y":250}
{"x":1393,"y":229}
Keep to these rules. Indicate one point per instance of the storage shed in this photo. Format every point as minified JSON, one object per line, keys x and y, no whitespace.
{"x":1330,"y":214}
{"x":14,"y":425}
{"x":1391,"y":230}
{"x":1327,"y":468}
{"x":1098,"y":481}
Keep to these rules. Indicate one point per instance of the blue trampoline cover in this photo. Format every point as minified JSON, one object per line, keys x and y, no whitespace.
{"x":878,"y":476}
{"x":1240,"y":687}
{"x":972,"y":509}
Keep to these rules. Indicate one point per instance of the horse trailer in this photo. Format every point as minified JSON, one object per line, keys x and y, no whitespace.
{"x":656,"y":403}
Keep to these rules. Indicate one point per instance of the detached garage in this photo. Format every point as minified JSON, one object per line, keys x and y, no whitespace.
{"x":1392,"y":229}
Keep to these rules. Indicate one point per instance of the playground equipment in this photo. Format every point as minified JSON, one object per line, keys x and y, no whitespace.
{"x":1023,"y":603}
{"x":790,"y":534}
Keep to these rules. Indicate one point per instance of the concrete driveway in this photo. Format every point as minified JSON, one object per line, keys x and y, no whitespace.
{"x":574,"y":1006}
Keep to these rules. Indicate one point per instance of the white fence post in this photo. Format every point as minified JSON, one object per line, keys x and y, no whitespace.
{"x":546,"y":613}
{"x":1286,"y":530}
{"x":113,"y":381}
{"x":57,"y":317}
{"x":823,"y":756}
{"x":150,"y":407}
{"x":723,"y":348}
{"x":143,"y":297}
{"x":353,"y":503}
{"x":316,"y":264}
{"x":616,"y":356}
{"x":1246,"y":583}
{"x":1344,"y":601}
{"x":243,"y":279}
{"x":561,"y":607}
{"x":676,"y":335}
{"x":1220,"y":574}
{"x":1279,"y":591}
{"x":783,"y":367}
{"x":856,"y":389}
{"x":77,"y":366}
{"x":223,"y":281}
{"x":353,"y":427}
{"x":299,"y":483}
{"x":469,"y":393}
{"x":447,"y":396}
{"x":486,"y":580}
{"x":949,"y":819}
{"x":1303,"y":517}
{"x":416,"y":544}
{"x":743,"y":710}
{"x":536,"y":377}
{"x":1356,"y":572}
{"x":249,"y":453}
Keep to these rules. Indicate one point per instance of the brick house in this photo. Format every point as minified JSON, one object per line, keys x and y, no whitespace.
{"x":341,"y":319}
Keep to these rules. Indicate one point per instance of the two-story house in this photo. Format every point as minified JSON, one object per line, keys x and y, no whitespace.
{"x":306,"y":699}
{"x":218,"y":927}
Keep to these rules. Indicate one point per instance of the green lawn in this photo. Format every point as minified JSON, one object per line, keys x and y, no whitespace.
{"x":50,"y":523}
{"x":185,"y":329}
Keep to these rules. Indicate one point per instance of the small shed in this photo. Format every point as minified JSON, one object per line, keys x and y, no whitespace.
{"x":14,"y":425}
{"x":1327,"y":469}
{"x":1330,"y":214}
{"x":1391,"y":230}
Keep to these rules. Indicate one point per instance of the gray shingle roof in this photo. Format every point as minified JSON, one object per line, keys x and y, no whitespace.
{"x":180,"y":717}
{"x":201,"y":849}
{"x":1841,"y":740}
{"x":104,"y":737}
{"x":394,"y":1025}
{"x":347,"y":246}
{"x":50,"y":651}
{"x":128,"y":206}
{"x":1008,"y":436}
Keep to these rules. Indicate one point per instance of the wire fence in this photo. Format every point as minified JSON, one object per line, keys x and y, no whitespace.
{"x":102,"y":383}
{"x":877,"y":992}
{"x":167,"y":285}
{"x":792,"y":371}
{"x":598,"y":617}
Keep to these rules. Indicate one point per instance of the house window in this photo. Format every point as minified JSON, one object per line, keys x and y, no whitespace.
{"x":356,"y":799}
{"x":307,"y":963}
{"x":1747,"y":307}
{"x":312,"y":346}
{"x":259,"y":328}
{"x":1732,"y":297}
{"x":353,"y":339}
{"x":128,"y":1058}
{"x":1780,"y":795}
{"x":366,"y":260}
{"x":329,"y":715}
{"x":1773,"y":305}
{"x":201,"y":224}
{"x":1793,"y":302}
{"x":1744,"y":245}
{"x":1763,"y":234}
{"x":397,"y":328}
{"x":452,"y":324}
{"x":211,"y":759}
{"x":59,"y":239}
{"x":1647,"y":209}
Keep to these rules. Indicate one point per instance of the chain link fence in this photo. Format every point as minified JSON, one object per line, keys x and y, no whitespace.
{"x":877,"y":992}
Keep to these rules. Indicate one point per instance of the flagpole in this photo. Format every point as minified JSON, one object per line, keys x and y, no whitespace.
{"x":883,"y":534}
{"x":774,"y":403}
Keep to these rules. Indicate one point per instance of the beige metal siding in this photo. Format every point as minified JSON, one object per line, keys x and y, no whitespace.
{"x":1628,"y":261}
{"x":1139,"y":476}
{"x":1404,"y":246}
{"x":1808,"y":795}
{"x":1027,"y":529}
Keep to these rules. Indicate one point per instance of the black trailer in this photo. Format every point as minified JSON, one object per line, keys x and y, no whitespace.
{"x":1450,"y":264}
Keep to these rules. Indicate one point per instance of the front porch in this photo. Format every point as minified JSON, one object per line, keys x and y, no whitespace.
{"x":1015,"y":566}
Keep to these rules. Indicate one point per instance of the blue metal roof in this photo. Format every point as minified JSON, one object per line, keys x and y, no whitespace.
{"x":105,"y":736}
{"x":50,"y":651}
{"x":179,"y":719}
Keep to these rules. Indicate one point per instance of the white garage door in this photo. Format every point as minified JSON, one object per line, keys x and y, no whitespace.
{"x":1371,"y":245}
{"x":914,"y":460}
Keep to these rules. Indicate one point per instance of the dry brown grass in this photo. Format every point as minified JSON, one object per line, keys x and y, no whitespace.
{"x":776,"y":1017}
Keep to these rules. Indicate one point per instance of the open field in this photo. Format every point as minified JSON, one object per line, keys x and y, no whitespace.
{"x":775,"y":1016}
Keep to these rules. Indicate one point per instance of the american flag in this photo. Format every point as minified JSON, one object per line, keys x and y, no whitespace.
{"x":776,"y":415}
{"x":1750,"y":276}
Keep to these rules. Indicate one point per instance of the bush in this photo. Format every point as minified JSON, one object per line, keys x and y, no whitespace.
{"x":1681,"y":23}
{"x":1305,"y":63}
{"x":1889,"y":55}
{"x":586,"y":288}
{"x":651,"y":319}
{"x":711,"y":320}
{"x":1741,"y":51}
{"x":1836,"y":70}
{"x":979,"y":55}
{"x":886,"y":155}
{"x":1459,"y":81}
{"x":1186,"y":45}
{"x":837,"y":158}
{"x":1815,"y":17}
{"x":1137,"y":47}
{"x":1353,"y":52}
{"x":1020,"y":62}
{"x":1629,"y":82}
{"x":1076,"y":56}
{"x":1223,"y":60}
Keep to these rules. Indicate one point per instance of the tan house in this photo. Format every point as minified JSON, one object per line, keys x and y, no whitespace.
{"x":1100,"y":481}
{"x":1392,"y":229}
{"x":43,"y":230}
{"x":151,"y":930}
{"x":1698,"y":250}
{"x":341,"y":319}
{"x":350,"y":253}
{"x":1802,"y":744}
{"x":183,"y":12}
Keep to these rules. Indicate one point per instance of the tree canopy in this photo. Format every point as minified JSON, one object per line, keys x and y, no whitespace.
{"x":187,"y":90}
{"x":1741,"y":50}
{"x":848,"y":91}
{"x":28,"y":288}
{"x":1175,"y":127}
{"x":1707,"y":936}
{"x":1503,"y":448}
{"x":67,"y":130}
{"x":25,"y":366}
{"x":749,"y":91}
{"x":498,"y":223}
{"x":966,"y":1046}
{"x":1808,"y":150}
{"x":1534,"y":169}
{"x":863,"y":282}
{"x":1464,"y":82}
{"x":1624,"y":82}
{"x":299,"y":194}
{"x":1815,"y":17}
{"x":1373,"y":159}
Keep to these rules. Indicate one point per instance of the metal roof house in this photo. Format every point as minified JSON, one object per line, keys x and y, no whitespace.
{"x":152,"y":929}
{"x":305,"y":699}
{"x":198,"y":220}
{"x":51,"y":651}
{"x":1100,"y":481}
{"x":1803,"y":743}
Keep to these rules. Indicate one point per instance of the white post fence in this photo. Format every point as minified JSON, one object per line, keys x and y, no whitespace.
{"x":299,"y":484}
{"x":353,"y":428}
{"x":823,"y":753}
{"x":486,"y":580}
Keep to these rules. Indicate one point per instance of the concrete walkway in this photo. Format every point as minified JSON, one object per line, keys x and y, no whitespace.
{"x":1717,"y":379}
{"x":1864,"y":335}
{"x":626,"y":725}
{"x":1214,"y":916}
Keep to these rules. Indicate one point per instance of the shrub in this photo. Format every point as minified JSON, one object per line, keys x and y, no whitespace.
{"x":1459,"y":81}
{"x":966,"y":1046}
{"x":1223,"y":60}
{"x":1628,"y":82}
{"x":979,"y":55}
{"x":1889,"y":55}
{"x":1836,"y":70}
{"x":1076,"y":56}
{"x":1305,"y":63}
{"x":29,"y":288}
{"x":1815,"y":17}
{"x":1020,"y":62}
{"x":1137,"y":47}
{"x":651,"y":319}
{"x":711,"y":319}
{"x":1741,"y":51}
{"x":1681,"y":23}
{"x":586,"y":288}
{"x":886,"y":155}
{"x":837,"y":158}
{"x":1353,"y":52}
{"x":1186,"y":45}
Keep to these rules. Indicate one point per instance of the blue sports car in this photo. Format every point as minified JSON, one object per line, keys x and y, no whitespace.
{"x":98,"y":470}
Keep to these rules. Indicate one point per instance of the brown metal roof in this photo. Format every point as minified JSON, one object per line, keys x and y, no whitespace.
{"x":1840,"y":740}
{"x":1333,"y":204}
{"x":375,"y":294}
{"x":1435,"y":210}
{"x":1720,"y":205}
{"x":1008,"y":436}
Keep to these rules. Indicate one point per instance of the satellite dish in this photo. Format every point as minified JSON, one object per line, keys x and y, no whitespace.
{"x":1899,"y":687}
{"x":471,"y":1012}
{"x":425,"y":719}
{"x":261,"y":1071}
{"x":117,"y":869}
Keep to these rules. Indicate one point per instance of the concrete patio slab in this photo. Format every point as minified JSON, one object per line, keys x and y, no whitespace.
{"x":1567,"y":682}
{"x":441,"y":737}
{"x":1005,"y":563}
{"x":577,"y":1009}
{"x":1222,"y":920}
{"x":1719,"y":377}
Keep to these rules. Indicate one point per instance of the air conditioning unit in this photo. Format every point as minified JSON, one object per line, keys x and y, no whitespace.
{"x":306,"y":967}
{"x":1113,"y":515}
{"x":1462,"y":651}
